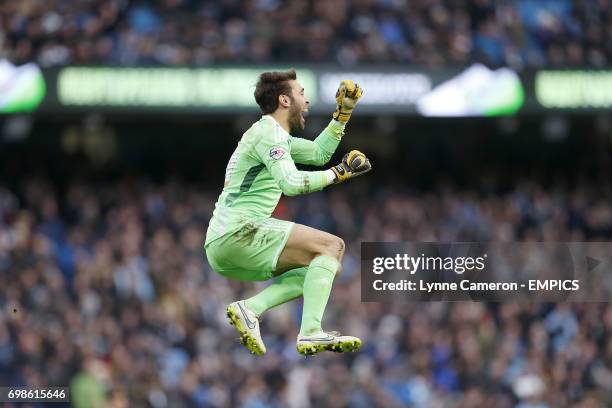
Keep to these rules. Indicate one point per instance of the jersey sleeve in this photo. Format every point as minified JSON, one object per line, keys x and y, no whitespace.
{"x":319,"y":151}
{"x":274,"y":151}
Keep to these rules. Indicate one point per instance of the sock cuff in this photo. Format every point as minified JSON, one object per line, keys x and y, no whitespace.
{"x":329,"y":263}
{"x":298,"y":273}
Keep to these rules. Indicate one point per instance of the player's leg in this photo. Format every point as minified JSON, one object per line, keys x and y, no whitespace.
{"x":290,"y":274}
{"x":245,"y":314}
{"x":264,"y":248}
{"x":284,"y":288}
{"x":289,"y":280}
{"x":323,"y":253}
{"x":251,"y":254}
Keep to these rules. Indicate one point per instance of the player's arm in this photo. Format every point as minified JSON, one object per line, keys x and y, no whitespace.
{"x":317,"y":152}
{"x":273,"y":151}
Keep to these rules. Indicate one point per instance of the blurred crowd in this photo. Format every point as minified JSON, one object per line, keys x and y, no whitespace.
{"x":429,"y":33}
{"x":106,"y":289}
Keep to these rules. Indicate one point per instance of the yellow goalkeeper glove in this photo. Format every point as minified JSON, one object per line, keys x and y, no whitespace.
{"x":354,"y":164}
{"x":347,"y":96}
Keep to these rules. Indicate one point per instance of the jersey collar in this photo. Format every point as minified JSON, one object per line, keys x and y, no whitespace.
{"x":277,"y":124}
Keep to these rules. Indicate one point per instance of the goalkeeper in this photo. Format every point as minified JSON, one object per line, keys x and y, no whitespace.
{"x":243,"y":241}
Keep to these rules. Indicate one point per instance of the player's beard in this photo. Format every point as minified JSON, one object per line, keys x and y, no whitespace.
{"x":295,"y":118}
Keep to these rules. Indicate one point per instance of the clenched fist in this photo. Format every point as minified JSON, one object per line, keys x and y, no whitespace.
{"x":346,"y":97}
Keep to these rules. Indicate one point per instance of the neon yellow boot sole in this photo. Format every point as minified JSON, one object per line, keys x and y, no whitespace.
{"x":310,"y":349}
{"x":245,"y":338}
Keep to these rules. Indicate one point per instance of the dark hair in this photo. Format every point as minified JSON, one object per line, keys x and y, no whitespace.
{"x":270,"y":86}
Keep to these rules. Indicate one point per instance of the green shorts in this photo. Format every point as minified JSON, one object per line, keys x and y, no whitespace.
{"x":251,"y":252}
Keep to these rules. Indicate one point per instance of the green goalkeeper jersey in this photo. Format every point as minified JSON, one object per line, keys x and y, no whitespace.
{"x":263,"y":167}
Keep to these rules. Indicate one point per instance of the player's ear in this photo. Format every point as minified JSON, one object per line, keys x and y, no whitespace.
{"x":284,"y":101}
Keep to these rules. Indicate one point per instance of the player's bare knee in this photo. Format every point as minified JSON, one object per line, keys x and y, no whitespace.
{"x":334,"y":247}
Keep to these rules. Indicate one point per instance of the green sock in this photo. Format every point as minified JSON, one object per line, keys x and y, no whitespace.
{"x":317,"y":287}
{"x":284,"y":288}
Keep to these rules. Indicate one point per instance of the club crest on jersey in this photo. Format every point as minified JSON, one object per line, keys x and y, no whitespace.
{"x":277,"y":152}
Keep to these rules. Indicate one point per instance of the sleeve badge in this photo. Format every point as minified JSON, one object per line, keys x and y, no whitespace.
{"x":277,"y":152}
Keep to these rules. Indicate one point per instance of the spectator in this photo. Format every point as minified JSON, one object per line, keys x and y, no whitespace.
{"x":520,"y":33}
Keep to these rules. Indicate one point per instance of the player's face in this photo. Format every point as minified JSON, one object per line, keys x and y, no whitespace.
{"x":299,"y":105}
